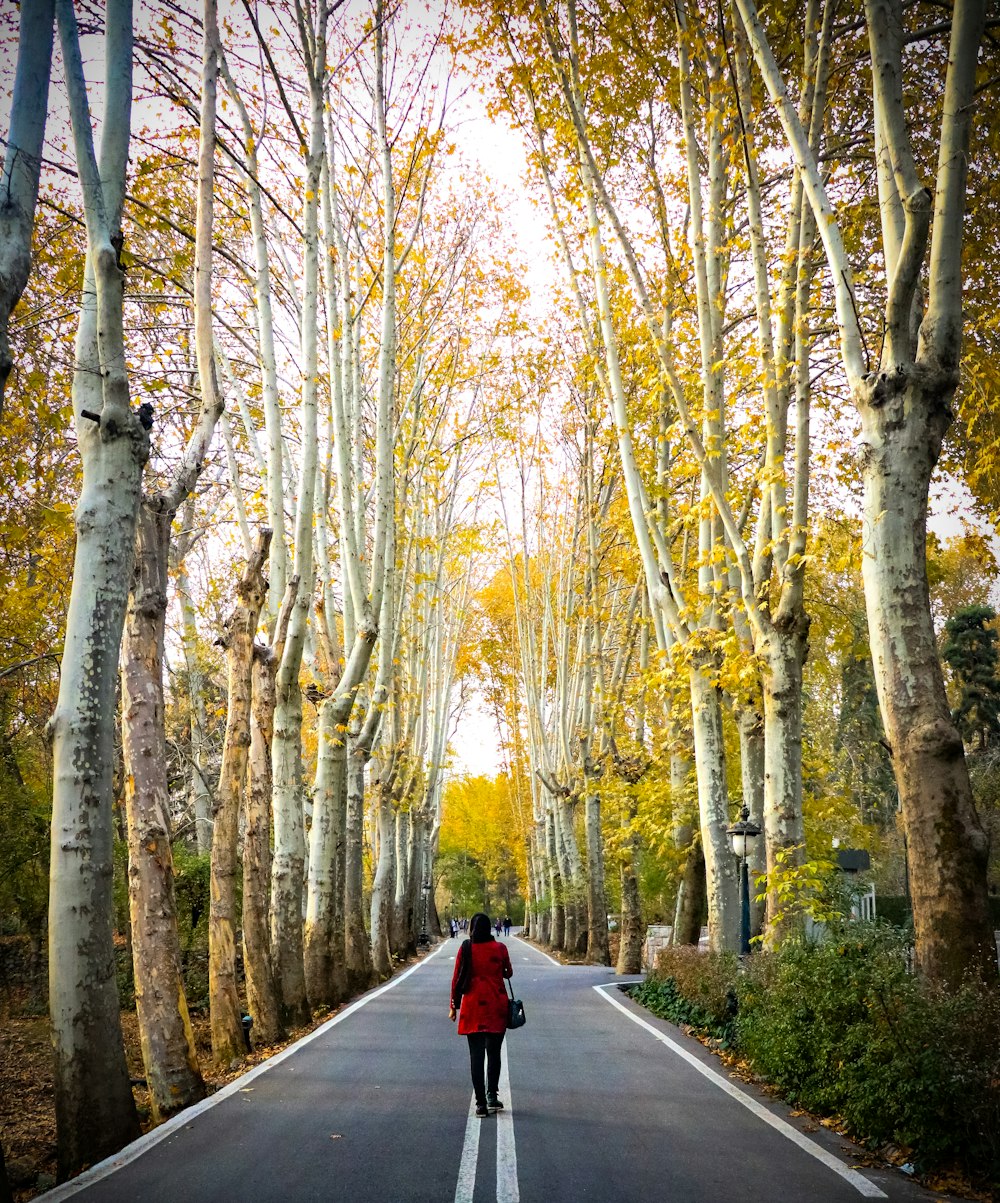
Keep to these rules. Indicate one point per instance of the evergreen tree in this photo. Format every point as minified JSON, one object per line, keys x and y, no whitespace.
{"x":860,"y":739}
{"x":971,"y":652}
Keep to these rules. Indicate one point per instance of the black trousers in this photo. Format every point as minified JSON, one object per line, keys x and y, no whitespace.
{"x":485,"y":1046}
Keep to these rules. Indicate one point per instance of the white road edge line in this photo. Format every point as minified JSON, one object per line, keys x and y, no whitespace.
{"x":118,"y":1160}
{"x":507,"y":1188}
{"x":551,"y":960}
{"x":860,"y":1183}
{"x":466,"y":1187}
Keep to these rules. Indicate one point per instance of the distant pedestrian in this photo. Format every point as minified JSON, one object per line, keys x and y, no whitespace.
{"x":453,"y":928}
{"x":477,"y":991}
{"x":506,"y":925}
{"x":497,"y":926}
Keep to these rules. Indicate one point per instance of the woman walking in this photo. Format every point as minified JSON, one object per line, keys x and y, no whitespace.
{"x":477,"y":989}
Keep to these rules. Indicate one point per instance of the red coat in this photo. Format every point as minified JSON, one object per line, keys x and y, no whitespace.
{"x":484,"y":1005}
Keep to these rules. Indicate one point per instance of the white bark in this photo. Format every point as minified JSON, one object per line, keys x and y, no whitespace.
{"x":95,"y":1113}
{"x":713,"y":803}
{"x":288,"y":870}
{"x":383,"y":886}
{"x":278,"y":568}
{"x":324,"y":953}
{"x":22,"y":163}
{"x":705,"y":702}
{"x":199,"y":790}
{"x":827,"y":226}
{"x":401,"y":936}
{"x":905,"y":411}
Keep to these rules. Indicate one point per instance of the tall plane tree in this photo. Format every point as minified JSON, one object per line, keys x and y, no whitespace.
{"x":905,"y":408}
{"x":166,"y":1036}
{"x":288,"y":865}
{"x":95,"y":1111}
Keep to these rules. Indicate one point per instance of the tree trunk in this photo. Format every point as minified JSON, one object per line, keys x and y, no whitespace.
{"x":713,"y":805}
{"x":401,"y":923}
{"x":784,"y":653}
{"x":201,"y":797}
{"x":576,"y":941}
{"x":557,"y":929}
{"x":750,"y":724}
{"x":358,"y":953}
{"x":288,"y":876}
{"x":168,"y":1049}
{"x":224,"y":1003}
{"x":692,"y":898}
{"x":326,"y":984}
{"x":95,"y":1111}
{"x":631,"y":933}
{"x":569,"y":925}
{"x":383,"y":885}
{"x":288,"y":864}
{"x":945,"y":841}
{"x":262,"y":991}
{"x":905,"y":410}
{"x":541,"y":916}
{"x":598,"y":952}
{"x":414,"y":879}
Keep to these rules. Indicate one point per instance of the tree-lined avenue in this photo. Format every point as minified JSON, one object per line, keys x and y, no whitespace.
{"x":375,"y":1105}
{"x":323,"y":429}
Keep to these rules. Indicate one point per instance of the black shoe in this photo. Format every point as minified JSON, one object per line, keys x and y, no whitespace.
{"x":481,"y":1111}
{"x":493,"y":1103}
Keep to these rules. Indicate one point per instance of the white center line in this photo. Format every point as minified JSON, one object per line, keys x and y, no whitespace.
{"x":466,"y":1187}
{"x":507,"y":1189}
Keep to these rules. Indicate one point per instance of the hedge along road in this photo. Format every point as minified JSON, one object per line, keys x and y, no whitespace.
{"x":604,"y":1102}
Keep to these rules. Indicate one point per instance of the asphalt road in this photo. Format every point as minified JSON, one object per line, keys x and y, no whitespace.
{"x":604,"y":1102}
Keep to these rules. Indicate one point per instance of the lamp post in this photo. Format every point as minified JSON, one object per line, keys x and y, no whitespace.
{"x":741,"y":835}
{"x":424,"y":938}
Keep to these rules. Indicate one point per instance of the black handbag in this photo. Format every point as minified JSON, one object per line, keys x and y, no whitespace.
{"x":516,"y":1017}
{"x":464,"y":979}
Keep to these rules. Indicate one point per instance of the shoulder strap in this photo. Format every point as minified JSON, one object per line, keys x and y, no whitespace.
{"x":463,"y":980}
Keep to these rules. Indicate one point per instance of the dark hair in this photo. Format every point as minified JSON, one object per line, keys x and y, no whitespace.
{"x":480,"y":928}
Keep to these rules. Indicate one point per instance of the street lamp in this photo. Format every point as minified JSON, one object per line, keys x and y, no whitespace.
{"x":741,"y":836}
{"x":424,"y":938}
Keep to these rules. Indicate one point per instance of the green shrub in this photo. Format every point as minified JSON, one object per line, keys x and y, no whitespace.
{"x":192,"y":892}
{"x":688,"y":986}
{"x":804,"y":1019}
{"x":842,"y":1027}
